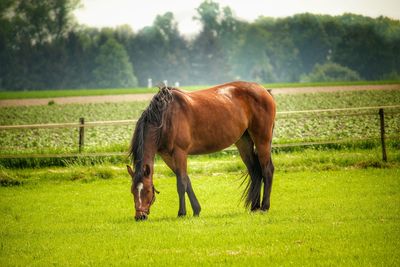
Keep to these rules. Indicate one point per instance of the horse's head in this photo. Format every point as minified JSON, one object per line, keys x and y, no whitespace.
{"x":143,"y":192}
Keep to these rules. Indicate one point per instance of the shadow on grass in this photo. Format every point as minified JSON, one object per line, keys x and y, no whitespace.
{"x":171,"y":218}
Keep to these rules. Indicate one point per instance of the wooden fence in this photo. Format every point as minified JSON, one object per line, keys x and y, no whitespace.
{"x":81,"y":125}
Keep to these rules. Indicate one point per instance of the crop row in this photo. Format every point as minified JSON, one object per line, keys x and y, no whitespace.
{"x":294,"y":128}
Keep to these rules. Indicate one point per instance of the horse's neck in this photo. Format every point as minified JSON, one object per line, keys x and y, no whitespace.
{"x":148,"y":158}
{"x":150,"y":147}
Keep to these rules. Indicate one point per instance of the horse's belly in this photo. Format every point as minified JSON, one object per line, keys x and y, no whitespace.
{"x":216,"y":137}
{"x":208,"y":148}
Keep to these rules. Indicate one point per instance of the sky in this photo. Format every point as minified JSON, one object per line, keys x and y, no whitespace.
{"x":138,"y":14}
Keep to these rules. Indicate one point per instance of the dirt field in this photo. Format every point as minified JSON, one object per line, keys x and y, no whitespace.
{"x":143,"y":97}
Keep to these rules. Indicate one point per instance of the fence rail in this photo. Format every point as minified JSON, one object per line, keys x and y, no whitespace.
{"x":129,"y":122}
{"x":68,"y":125}
{"x":338,"y":110}
{"x":81,"y":125}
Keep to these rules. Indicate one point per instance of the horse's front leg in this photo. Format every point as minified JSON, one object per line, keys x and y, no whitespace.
{"x":184,"y":185}
{"x":193,"y":199}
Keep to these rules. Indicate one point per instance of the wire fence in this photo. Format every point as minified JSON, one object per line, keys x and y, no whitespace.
{"x":293,"y":129}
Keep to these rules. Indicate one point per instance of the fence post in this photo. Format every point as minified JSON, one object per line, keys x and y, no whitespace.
{"x":81,"y":133}
{"x":382,"y":120}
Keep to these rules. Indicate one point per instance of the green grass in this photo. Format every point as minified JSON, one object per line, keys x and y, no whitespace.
{"x":141,"y":90}
{"x":79,"y":92}
{"x":80,"y":216}
{"x":329,"y":207}
{"x":293,"y":159}
{"x":72,"y":92}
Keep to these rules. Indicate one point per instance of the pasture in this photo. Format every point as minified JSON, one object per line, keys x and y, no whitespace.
{"x":329,"y":206}
{"x":82,"y":215}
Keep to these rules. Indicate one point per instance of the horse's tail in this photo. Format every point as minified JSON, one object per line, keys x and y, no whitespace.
{"x":252,"y":192}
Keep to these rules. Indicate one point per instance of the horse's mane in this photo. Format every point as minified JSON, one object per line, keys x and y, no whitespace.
{"x":153,"y":115}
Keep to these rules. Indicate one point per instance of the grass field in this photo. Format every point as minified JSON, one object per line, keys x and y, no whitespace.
{"x":141,"y":90}
{"x":320,"y":215}
{"x":329,"y":206}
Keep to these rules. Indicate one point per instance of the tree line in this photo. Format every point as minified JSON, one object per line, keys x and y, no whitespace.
{"x":42,"y":47}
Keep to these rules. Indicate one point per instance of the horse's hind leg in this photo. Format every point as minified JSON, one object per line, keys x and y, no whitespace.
{"x":245,"y":146}
{"x":268,"y":174}
{"x":263,"y":146}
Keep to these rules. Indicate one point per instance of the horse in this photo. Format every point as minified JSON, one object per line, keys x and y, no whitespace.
{"x":178,"y":123}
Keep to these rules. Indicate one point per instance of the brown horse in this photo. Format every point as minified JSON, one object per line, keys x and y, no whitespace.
{"x":178,"y":123}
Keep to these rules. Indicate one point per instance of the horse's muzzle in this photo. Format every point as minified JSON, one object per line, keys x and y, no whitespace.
{"x":141,"y":216}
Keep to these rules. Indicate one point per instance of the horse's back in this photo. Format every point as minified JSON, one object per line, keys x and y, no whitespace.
{"x":245,"y":96}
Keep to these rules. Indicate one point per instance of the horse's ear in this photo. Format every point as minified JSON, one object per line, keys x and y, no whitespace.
{"x":146,"y":169}
{"x":130,"y":171}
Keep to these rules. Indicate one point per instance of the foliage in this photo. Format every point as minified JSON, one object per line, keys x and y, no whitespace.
{"x":212,"y":47}
{"x":160,"y":50}
{"x":330,"y":72}
{"x":252,"y":60}
{"x":368,"y":46}
{"x":392,"y":76}
{"x":33,"y":35}
{"x":38,"y":21}
{"x":41,"y":47}
{"x":89,"y":221}
{"x":113,"y":68}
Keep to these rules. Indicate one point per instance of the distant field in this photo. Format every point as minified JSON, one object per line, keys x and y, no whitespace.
{"x":118,"y":91}
{"x":80,"y":216}
{"x":116,"y":138}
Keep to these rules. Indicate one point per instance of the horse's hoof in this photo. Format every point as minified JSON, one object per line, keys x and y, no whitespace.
{"x":196,"y":212}
{"x":265,"y":207}
{"x":255,"y":209}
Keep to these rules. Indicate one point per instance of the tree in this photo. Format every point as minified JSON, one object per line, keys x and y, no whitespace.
{"x":280,"y":48}
{"x":210,"y":63}
{"x":43,"y":20}
{"x":370,"y":47}
{"x":251,"y":61}
{"x":41,"y":48}
{"x":209,"y":15}
{"x":113,"y":67}
{"x":161,"y":51}
{"x":309,"y":37}
{"x":31,"y":42}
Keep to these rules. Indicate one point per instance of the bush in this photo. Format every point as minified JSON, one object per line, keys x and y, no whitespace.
{"x":330,"y":72}
{"x":392,"y":76}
